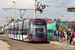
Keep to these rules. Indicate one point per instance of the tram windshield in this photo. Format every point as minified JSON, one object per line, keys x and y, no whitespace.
{"x":40,"y":29}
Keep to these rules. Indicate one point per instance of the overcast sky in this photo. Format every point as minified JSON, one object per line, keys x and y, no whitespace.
{"x":53,"y":11}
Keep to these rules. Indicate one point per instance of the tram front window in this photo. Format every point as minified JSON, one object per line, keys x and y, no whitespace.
{"x":40,"y":30}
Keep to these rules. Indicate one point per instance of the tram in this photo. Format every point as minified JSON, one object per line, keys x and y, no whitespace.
{"x":31,"y":30}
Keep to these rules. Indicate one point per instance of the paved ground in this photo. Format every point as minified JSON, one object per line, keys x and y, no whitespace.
{"x":57,"y":43}
{"x":19,"y":45}
{"x":4,"y":45}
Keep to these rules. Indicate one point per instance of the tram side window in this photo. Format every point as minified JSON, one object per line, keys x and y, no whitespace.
{"x":21,"y":31}
{"x":19,"y":27}
{"x":13,"y":30}
{"x":9,"y":31}
{"x":26,"y":31}
{"x":18,"y":30}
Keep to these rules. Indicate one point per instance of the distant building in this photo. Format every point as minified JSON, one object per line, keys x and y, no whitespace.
{"x":72,"y":26}
{"x":12,"y":20}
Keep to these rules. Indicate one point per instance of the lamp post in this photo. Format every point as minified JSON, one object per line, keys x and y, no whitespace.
{"x":35,"y":9}
{"x":6,"y":17}
{"x":62,"y":10}
{"x":14,"y":11}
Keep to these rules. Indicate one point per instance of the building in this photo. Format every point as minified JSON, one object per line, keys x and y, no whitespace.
{"x":72,"y":26}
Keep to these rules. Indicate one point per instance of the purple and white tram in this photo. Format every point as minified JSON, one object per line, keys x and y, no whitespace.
{"x":32,"y":30}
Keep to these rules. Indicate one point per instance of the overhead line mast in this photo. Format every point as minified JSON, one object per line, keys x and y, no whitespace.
{"x":21,"y":15}
{"x":34,"y":9}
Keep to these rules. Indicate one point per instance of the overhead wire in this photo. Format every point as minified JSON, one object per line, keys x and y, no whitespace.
{"x":57,"y":6}
{"x":31,"y":7}
{"x":51,"y":2}
{"x":41,"y":0}
{"x":1,"y":14}
{"x":10,"y":7}
{"x":60,"y":5}
{"x":66,"y":2}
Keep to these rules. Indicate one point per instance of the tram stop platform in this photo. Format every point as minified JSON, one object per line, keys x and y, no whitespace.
{"x":60,"y":44}
{"x":4,"y":45}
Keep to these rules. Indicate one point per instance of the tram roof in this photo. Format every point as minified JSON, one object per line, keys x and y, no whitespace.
{"x":31,"y":20}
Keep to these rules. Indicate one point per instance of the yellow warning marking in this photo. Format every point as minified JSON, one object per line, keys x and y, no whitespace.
{"x":2,"y":48}
{"x":5,"y":43}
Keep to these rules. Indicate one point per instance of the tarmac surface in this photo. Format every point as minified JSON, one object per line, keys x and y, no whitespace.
{"x":10,"y":44}
{"x":4,"y":45}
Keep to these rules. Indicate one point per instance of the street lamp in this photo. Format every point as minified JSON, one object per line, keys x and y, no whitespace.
{"x":34,"y":9}
{"x":62,"y":10}
{"x":14,"y":10}
{"x":6,"y":16}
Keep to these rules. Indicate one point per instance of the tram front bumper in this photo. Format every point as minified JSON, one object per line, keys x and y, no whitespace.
{"x":38,"y":39}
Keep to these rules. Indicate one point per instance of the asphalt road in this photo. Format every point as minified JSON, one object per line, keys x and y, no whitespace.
{"x":19,"y":45}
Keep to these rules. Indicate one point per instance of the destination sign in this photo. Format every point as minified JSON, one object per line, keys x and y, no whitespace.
{"x":40,"y":23}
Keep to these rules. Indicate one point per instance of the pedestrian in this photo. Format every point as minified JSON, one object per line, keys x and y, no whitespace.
{"x":73,"y":37}
{"x":68,"y":37}
{"x":65,"y":38}
{"x":62,"y":37}
{"x":59,"y":36}
{"x":55,"y":35}
{"x":57,"y":32}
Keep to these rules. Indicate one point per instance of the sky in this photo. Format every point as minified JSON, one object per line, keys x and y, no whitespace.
{"x":53,"y":11}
